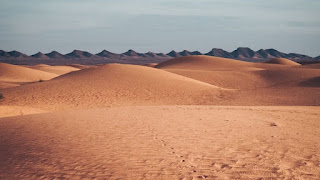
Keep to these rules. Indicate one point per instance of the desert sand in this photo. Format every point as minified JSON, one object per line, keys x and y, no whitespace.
{"x":14,"y":75}
{"x":283,"y":61}
{"x":195,"y":117}
{"x":59,"y":70}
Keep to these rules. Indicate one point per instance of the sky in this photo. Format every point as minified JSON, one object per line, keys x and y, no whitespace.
{"x":31,"y":26}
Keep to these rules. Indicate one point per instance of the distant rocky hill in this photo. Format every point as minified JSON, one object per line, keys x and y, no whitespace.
{"x":132,"y":57}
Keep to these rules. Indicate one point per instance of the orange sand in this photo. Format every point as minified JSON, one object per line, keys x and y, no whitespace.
{"x":195,"y":117}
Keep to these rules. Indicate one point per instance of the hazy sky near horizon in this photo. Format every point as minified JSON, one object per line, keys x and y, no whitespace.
{"x":159,"y":25}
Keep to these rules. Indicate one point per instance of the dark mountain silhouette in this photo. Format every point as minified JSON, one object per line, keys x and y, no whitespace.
{"x":133,"y":57}
{"x":243,"y":52}
{"x":131,"y":52}
{"x":297,"y":56}
{"x":276,"y":53}
{"x":40,"y":55}
{"x":17,"y":54}
{"x":54,"y":54}
{"x":219,"y":53}
{"x":264,"y":54}
{"x":185,"y":53}
{"x":173,"y":54}
{"x":151,"y":54}
{"x":79,"y":54}
{"x":108,"y":54}
{"x":195,"y":53}
{"x":4,"y":54}
{"x":162,"y":55}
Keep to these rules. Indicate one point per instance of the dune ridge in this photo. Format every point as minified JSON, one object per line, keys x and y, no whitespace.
{"x":201,"y":62}
{"x":58,"y":70}
{"x":113,"y":85}
{"x":256,"y":83}
{"x":283,"y":61}
{"x":14,"y":73}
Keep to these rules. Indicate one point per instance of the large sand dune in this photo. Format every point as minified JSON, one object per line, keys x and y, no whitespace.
{"x":201,"y":62}
{"x":59,"y":70}
{"x":14,"y":73}
{"x":113,"y":85}
{"x":196,"y":80}
{"x":256,"y":83}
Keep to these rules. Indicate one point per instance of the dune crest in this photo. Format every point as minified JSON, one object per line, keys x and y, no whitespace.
{"x":283,"y":61}
{"x":202,"y":62}
{"x":59,"y":70}
{"x":14,"y":73}
{"x":113,"y":85}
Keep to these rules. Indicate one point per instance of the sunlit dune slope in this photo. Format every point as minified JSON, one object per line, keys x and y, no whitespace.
{"x":59,"y":70}
{"x":235,"y":74}
{"x":14,"y":73}
{"x":113,"y":85}
{"x":283,"y":61}
{"x":201,"y":62}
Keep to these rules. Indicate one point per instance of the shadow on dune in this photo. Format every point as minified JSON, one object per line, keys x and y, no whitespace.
{"x":313,"y":82}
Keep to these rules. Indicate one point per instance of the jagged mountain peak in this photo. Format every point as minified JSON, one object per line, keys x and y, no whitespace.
{"x":39,"y":55}
{"x":131,"y":56}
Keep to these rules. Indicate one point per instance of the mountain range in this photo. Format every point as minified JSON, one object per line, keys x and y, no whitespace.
{"x":133,"y":57}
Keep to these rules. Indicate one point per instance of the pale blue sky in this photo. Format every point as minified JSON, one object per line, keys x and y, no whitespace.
{"x":30,"y":26}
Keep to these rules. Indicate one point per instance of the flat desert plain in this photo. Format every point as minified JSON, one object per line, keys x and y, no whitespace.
{"x":194,"y":117}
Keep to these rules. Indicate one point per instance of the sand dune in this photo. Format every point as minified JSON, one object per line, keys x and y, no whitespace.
{"x":235,"y":74}
{"x":267,"y":87}
{"x":127,"y":122}
{"x":226,"y":79}
{"x":126,"y":85}
{"x":13,"y":73}
{"x":268,"y":84}
{"x":113,"y":85}
{"x":201,"y":62}
{"x":150,"y":64}
{"x":80,"y":66}
{"x":166,"y":142}
{"x":221,"y":72}
{"x":283,"y":61}
{"x":59,"y":70}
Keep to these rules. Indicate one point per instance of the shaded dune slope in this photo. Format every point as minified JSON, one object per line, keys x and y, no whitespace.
{"x":113,"y":85}
{"x":312,"y":82}
{"x":314,"y":66}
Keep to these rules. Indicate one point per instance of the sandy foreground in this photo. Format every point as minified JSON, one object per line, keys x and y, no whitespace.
{"x":165,"y":142}
{"x":194,"y":117}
